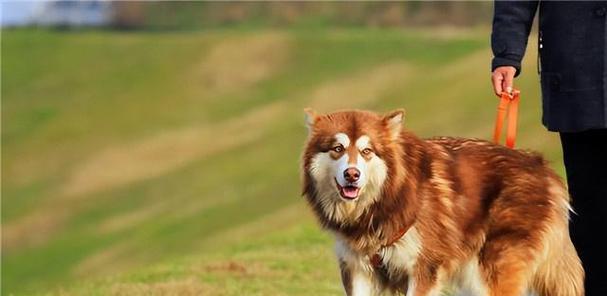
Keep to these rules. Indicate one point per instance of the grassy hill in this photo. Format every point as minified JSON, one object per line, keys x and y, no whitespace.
{"x":168,"y":162}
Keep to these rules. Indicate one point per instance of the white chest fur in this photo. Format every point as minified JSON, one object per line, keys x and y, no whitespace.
{"x":401,"y":256}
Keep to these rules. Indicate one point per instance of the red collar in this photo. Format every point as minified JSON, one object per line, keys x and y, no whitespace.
{"x":376,"y":259}
{"x":396,"y":237}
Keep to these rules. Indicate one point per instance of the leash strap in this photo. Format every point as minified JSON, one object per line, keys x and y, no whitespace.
{"x":507,"y":108}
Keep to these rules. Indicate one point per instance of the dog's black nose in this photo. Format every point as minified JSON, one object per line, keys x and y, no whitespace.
{"x":351,"y":174}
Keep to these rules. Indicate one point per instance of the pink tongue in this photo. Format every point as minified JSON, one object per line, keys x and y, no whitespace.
{"x":350,"y":192}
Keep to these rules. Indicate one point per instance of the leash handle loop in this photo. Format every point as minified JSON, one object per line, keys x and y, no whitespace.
{"x":507,"y":109}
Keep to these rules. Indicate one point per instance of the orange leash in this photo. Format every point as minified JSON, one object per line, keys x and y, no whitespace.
{"x":508,"y":107}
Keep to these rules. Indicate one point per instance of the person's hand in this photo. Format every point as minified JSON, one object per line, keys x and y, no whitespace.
{"x":502,"y":79}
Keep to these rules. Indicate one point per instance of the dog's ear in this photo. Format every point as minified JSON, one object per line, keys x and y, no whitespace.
{"x":394,"y":122}
{"x":310,"y":117}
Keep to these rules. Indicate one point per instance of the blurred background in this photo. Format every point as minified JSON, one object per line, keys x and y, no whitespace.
{"x":152,"y":148}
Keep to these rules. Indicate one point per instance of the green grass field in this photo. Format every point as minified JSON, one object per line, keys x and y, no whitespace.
{"x":167,"y":163}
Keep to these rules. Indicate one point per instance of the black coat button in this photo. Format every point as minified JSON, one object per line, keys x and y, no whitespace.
{"x":600,"y":11}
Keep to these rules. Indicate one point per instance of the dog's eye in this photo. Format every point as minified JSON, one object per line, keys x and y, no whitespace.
{"x":367,"y":151}
{"x":338,"y":148}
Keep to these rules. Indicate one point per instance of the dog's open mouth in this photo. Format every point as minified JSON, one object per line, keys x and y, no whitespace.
{"x":348,"y":192}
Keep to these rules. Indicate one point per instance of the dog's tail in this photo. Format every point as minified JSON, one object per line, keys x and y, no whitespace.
{"x":560,"y":273}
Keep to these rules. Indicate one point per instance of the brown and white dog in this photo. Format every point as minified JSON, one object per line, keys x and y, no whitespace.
{"x":415,"y":216}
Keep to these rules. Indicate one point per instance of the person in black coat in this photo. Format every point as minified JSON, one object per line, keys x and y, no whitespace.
{"x":572,"y":59}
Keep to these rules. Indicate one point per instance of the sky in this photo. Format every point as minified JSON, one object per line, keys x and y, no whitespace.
{"x":15,"y":12}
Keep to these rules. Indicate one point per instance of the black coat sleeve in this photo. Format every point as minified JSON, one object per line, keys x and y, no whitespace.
{"x":512,"y":22}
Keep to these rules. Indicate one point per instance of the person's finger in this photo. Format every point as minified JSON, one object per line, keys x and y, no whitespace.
{"x":497,"y":79}
{"x":508,"y":79}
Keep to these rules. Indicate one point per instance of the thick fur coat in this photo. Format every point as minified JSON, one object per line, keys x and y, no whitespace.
{"x":415,"y":216}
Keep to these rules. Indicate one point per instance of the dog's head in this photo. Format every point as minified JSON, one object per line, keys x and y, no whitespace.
{"x":345,"y":159}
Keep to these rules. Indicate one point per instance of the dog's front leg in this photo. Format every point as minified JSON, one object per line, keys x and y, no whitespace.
{"x":357,"y":280}
{"x":357,"y":274}
{"x":425,"y":281}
